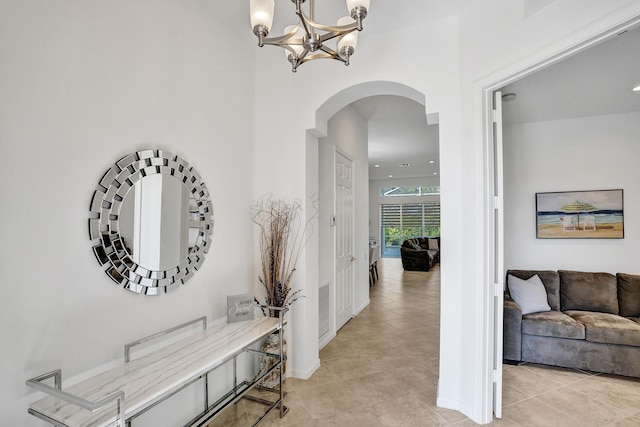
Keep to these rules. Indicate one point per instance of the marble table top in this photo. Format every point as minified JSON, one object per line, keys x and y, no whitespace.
{"x":148,"y":379}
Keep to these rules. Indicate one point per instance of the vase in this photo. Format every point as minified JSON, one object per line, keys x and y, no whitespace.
{"x":272,"y":345}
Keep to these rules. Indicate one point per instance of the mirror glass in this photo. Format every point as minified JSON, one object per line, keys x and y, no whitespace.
{"x":151,"y":221}
{"x":159,"y":222}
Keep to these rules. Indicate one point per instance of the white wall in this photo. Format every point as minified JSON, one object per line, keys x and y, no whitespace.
{"x":326,"y":210}
{"x":499,"y":40}
{"x":450,"y":62}
{"x":375,"y":200}
{"x":83,"y":84}
{"x":347,"y":134}
{"x":593,"y":153}
{"x":297,"y":97}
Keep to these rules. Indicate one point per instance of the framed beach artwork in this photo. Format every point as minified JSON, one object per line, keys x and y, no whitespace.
{"x":595,"y":214}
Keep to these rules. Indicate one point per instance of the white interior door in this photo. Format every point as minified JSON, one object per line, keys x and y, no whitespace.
{"x":345,"y":261}
{"x":498,"y":248}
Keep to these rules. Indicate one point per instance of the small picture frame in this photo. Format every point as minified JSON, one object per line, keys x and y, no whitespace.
{"x":240,"y":308}
{"x":595,"y":214}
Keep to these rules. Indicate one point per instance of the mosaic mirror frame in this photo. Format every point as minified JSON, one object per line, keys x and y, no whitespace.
{"x":104,"y":226}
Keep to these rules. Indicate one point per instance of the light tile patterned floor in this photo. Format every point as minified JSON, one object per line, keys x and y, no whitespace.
{"x":382,"y":370}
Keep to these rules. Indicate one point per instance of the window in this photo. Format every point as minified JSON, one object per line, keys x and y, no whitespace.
{"x":425,"y":190}
{"x":404,"y":221}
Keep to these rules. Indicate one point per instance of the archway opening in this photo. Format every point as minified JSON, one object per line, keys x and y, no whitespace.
{"x":342,"y":126}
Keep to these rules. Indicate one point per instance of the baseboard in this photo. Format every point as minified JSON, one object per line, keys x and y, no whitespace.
{"x":326,"y":339}
{"x":305,"y":375}
{"x":448,"y":404}
{"x":362,"y":307}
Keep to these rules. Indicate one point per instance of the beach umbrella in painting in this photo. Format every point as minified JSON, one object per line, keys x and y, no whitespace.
{"x":578,"y":208}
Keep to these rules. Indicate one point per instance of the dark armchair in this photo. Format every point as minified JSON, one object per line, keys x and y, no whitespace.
{"x":420,"y":253}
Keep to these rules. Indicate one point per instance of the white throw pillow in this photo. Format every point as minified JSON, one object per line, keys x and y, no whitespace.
{"x":433,"y":244}
{"x":529,"y":294}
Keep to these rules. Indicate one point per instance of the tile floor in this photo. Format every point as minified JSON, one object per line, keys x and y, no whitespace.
{"x":382,"y":370}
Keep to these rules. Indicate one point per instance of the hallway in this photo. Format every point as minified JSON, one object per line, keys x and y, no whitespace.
{"x":382,"y":370}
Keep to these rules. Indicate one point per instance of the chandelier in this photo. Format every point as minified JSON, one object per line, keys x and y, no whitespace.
{"x":306,"y":40}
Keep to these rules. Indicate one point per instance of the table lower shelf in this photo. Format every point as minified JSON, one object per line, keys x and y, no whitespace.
{"x":220,"y":410}
{"x":242,"y":391}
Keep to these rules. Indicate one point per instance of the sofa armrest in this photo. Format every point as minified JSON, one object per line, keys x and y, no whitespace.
{"x":512,"y":330}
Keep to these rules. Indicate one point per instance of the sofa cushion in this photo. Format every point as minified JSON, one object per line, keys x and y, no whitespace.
{"x":550,"y":280}
{"x":629,"y":294}
{"x":607,"y":328}
{"x":552,"y":324}
{"x":529,"y":294}
{"x":588,"y":291}
{"x":413,"y":243}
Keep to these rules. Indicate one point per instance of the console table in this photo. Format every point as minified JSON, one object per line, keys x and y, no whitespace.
{"x":116,"y":397}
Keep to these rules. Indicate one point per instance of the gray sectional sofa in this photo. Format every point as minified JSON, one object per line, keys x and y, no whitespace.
{"x":420,"y":253}
{"x":590,"y":321}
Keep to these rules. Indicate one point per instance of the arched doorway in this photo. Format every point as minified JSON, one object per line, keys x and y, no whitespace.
{"x":318,"y":171}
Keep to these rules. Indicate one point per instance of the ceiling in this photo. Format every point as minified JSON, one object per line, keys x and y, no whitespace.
{"x":401,"y":142}
{"x":398,"y":130}
{"x":383,"y":15}
{"x":594,"y":82}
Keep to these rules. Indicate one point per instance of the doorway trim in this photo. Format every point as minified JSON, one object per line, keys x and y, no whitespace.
{"x":486,"y":87}
{"x":356,"y":92}
{"x":325,"y":111}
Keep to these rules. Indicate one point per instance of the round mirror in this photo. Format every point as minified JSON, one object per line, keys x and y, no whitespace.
{"x":151,"y":221}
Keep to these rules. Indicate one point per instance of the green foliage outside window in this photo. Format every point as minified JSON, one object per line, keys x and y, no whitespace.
{"x":405,"y":221}
{"x":394,"y":236}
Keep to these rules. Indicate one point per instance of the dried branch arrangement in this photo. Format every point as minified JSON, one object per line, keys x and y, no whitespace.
{"x":283,"y":234}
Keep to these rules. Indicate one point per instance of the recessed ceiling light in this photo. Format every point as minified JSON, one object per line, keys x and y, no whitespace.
{"x":376,"y":166}
{"x":390,"y":176}
{"x":435,"y":173}
{"x":636,"y":89}
{"x":431,"y":162}
{"x":404,"y":165}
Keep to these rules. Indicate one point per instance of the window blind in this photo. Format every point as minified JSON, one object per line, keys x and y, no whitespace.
{"x":425,"y":215}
